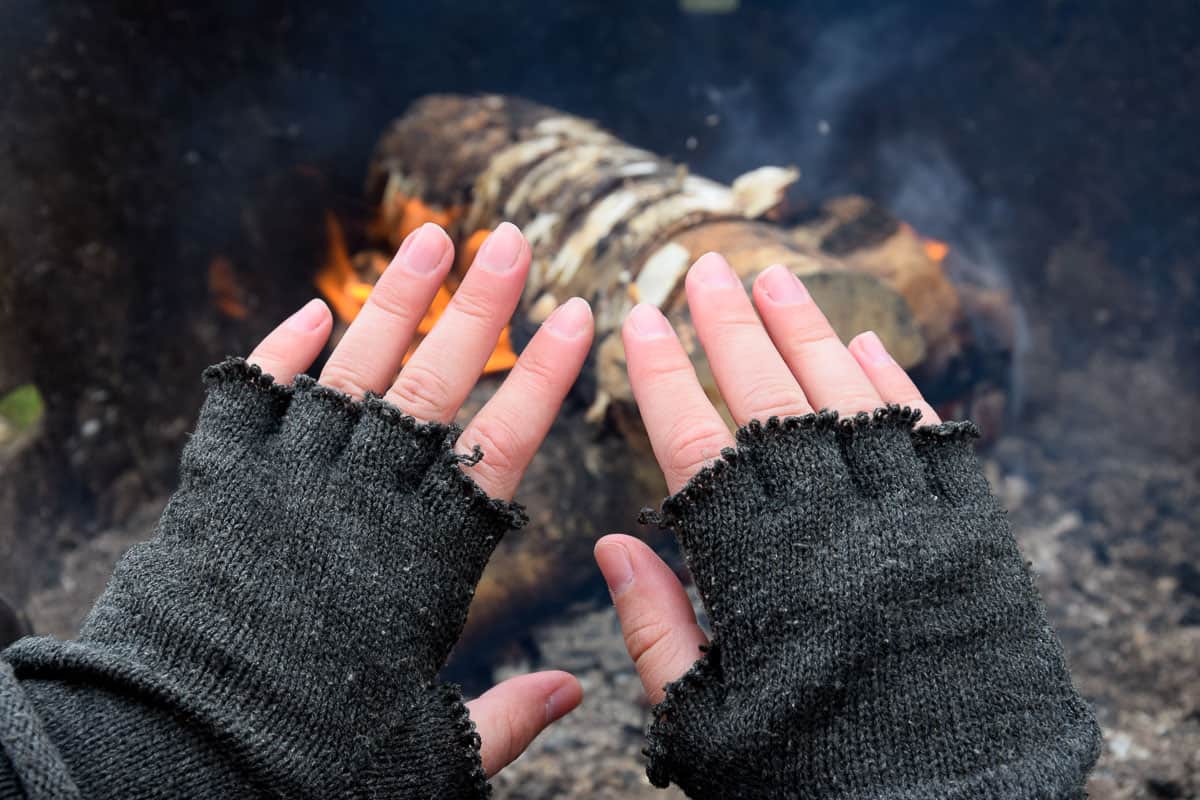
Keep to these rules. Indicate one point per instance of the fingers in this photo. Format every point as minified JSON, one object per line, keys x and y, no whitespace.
{"x":686,"y":432}
{"x":293,"y":346}
{"x":510,"y":715}
{"x":440,"y":374}
{"x":510,"y":427}
{"x":657,"y":618}
{"x":752,"y":377}
{"x":829,"y":375}
{"x":888,"y":377}
{"x":369,"y":354}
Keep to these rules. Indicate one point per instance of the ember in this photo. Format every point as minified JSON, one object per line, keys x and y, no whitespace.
{"x":936,"y":250}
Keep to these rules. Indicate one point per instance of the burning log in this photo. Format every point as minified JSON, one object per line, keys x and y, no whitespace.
{"x":619,"y":225}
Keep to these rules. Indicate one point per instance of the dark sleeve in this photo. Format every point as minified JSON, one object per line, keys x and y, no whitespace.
{"x":281,"y":634}
{"x":876,"y":633}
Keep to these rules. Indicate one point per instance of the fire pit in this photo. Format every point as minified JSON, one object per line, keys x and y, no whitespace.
{"x":1009,"y":198}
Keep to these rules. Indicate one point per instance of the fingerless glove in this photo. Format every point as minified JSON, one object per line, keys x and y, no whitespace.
{"x":282,"y":632}
{"x":876,"y":633}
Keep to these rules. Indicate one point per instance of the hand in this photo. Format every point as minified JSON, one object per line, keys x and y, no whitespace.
{"x":794,"y":365}
{"x":433,"y":385}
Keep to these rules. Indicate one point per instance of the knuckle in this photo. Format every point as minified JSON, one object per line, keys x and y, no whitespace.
{"x":773,"y":398}
{"x":656,"y":371}
{"x":396,"y":302}
{"x":538,"y":375}
{"x":735,"y":323}
{"x":345,"y":378}
{"x":270,"y":358}
{"x":502,"y":447}
{"x":692,"y":444}
{"x":808,"y":329}
{"x":513,"y":734}
{"x":645,"y":640}
{"x":473,"y":304}
{"x":422,"y":391}
{"x":857,"y":400}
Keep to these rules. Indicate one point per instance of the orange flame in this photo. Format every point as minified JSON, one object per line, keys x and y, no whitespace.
{"x":936,"y":250}
{"x":337,"y":280}
{"x":400,"y":215}
{"x":347,"y":291}
{"x":224,"y":288}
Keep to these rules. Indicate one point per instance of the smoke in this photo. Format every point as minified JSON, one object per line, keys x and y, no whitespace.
{"x":810,"y":119}
{"x":836,"y":118}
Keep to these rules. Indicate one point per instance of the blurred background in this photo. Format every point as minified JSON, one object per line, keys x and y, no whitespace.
{"x":168,"y":175}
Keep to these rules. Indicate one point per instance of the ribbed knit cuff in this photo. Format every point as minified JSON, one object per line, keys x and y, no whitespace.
{"x":875,"y":631}
{"x":35,"y":762}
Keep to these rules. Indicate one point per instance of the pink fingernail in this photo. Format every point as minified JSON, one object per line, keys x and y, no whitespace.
{"x":559,"y":702}
{"x":422,"y":252}
{"x":500,"y":251}
{"x":648,"y":322}
{"x":783,"y":287}
{"x":616,"y":567}
{"x":308,"y":318}
{"x":714,"y":271}
{"x":873,"y":349}
{"x":572,"y":319}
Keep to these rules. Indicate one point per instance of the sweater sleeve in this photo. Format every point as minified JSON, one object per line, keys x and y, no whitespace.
{"x":876,"y":632}
{"x":281,"y":634}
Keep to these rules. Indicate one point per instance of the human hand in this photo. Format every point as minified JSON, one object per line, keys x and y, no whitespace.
{"x":794,"y":365}
{"x":433,"y":385}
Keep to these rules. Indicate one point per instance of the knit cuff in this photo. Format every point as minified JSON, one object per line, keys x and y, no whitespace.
{"x":36,"y":762}
{"x":875,"y":630}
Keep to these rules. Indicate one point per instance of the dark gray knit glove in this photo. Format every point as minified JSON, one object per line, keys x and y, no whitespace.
{"x":876,"y":633}
{"x":306,"y":584}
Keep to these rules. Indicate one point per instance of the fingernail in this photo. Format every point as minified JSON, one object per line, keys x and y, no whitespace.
{"x":571,"y":319}
{"x":648,"y":322}
{"x":783,"y":287}
{"x":873,"y":348}
{"x":713,"y":270}
{"x":500,"y":250}
{"x":424,"y":248}
{"x":308,"y":318}
{"x":616,"y":567}
{"x":559,"y":702}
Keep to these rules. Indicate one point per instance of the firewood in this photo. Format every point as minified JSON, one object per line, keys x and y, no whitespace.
{"x":619,"y":225}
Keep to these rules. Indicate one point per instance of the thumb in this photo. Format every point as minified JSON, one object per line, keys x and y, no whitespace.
{"x":510,"y":715}
{"x":657,"y":618}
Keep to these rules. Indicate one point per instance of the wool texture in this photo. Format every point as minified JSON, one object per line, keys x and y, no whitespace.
{"x":876,"y":632}
{"x":281,"y":634}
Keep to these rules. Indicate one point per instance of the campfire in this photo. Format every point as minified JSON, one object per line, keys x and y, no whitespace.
{"x":141,"y":240}
{"x":619,"y":225}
